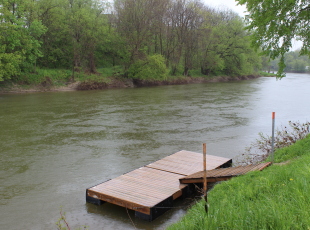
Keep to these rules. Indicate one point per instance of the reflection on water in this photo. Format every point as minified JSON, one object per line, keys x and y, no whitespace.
{"x":55,"y":145}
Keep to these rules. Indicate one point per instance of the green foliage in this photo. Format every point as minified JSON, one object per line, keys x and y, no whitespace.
{"x":9,"y":65}
{"x":265,"y":74}
{"x":82,"y":35}
{"x":275,"y":23}
{"x":151,"y":68}
{"x":87,"y":26}
{"x":94,"y":78}
{"x":228,"y":51}
{"x":55,"y":76}
{"x":63,"y":76}
{"x":275,"y":198}
{"x":294,"y":62}
{"x":57,"y":41}
{"x":19,"y":39}
{"x":111,"y":71}
{"x":195,"y":73}
{"x":176,"y":70}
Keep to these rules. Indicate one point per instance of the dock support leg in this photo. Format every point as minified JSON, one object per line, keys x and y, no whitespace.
{"x":93,"y":200}
{"x":157,"y":210}
{"x":227,"y":164}
{"x":188,"y":190}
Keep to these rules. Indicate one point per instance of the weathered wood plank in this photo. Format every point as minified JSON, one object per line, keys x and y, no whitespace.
{"x":186,"y":162}
{"x":223,"y":173}
{"x":148,"y":190}
{"x":120,"y":202}
{"x":159,"y":186}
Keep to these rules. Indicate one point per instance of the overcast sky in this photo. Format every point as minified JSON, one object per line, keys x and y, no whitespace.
{"x":230,"y":4}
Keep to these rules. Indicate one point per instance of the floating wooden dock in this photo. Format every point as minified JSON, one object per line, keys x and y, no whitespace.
{"x":151,"y":190}
{"x":222,"y":174}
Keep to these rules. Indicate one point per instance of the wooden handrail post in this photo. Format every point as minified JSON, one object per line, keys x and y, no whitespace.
{"x":272,"y":137}
{"x":205,"y":175}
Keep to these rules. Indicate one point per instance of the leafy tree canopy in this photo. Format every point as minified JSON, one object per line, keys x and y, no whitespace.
{"x":19,"y":39}
{"x":275,"y":23}
{"x":293,"y":62}
{"x":147,"y":37}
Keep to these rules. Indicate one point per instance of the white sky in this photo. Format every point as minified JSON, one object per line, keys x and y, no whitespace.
{"x":230,"y":4}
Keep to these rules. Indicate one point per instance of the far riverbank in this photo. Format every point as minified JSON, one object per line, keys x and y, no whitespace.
{"x":113,"y":82}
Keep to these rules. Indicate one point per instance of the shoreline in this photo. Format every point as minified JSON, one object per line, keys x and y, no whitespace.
{"x":261,"y":192}
{"x":117,"y":83}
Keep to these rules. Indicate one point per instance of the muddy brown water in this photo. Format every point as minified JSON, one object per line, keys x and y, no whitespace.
{"x":55,"y":145}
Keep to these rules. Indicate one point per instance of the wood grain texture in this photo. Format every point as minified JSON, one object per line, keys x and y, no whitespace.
{"x":144,"y":188}
{"x":222,"y":174}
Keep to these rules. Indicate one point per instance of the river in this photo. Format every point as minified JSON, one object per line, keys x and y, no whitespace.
{"x":55,"y":145}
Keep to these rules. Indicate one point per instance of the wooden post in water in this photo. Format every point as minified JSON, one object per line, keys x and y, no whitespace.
{"x":205,"y":175}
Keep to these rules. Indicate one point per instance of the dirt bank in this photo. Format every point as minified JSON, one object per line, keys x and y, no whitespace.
{"x":191,"y":80}
{"x":116,"y":82}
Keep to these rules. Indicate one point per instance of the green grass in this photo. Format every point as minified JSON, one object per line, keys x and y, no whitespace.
{"x":265,"y":74}
{"x":103,"y":76}
{"x":111,"y":71}
{"x":195,"y":73}
{"x":275,"y":198}
{"x":57,"y":76}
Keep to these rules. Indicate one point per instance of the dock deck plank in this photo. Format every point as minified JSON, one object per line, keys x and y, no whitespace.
{"x":223,"y":173}
{"x":186,"y":163}
{"x":146,"y":187}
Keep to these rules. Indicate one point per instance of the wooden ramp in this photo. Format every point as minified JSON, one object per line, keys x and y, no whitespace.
{"x":150,"y":190}
{"x":222,"y":173}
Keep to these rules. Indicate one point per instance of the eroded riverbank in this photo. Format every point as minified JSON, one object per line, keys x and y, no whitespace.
{"x":116,"y":83}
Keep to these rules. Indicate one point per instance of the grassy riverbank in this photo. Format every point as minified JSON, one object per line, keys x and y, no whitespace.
{"x":105,"y":78}
{"x":276,"y":198}
{"x":266,"y":74}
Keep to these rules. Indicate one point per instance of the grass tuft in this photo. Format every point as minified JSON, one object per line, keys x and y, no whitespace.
{"x":266,"y":74}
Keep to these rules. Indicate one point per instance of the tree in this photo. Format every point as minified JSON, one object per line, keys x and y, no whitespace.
{"x":293,"y":62}
{"x":225,"y":46}
{"x":87,"y":26}
{"x":183,"y":24}
{"x":234,"y":47}
{"x":275,"y":23}
{"x":57,"y":42}
{"x":19,"y":38}
{"x":134,"y":20}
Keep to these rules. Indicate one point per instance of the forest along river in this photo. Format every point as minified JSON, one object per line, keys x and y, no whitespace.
{"x":55,"y":145}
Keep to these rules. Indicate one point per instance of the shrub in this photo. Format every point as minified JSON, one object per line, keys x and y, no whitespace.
{"x":262,"y":147}
{"x":9,"y":65}
{"x":151,"y":68}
